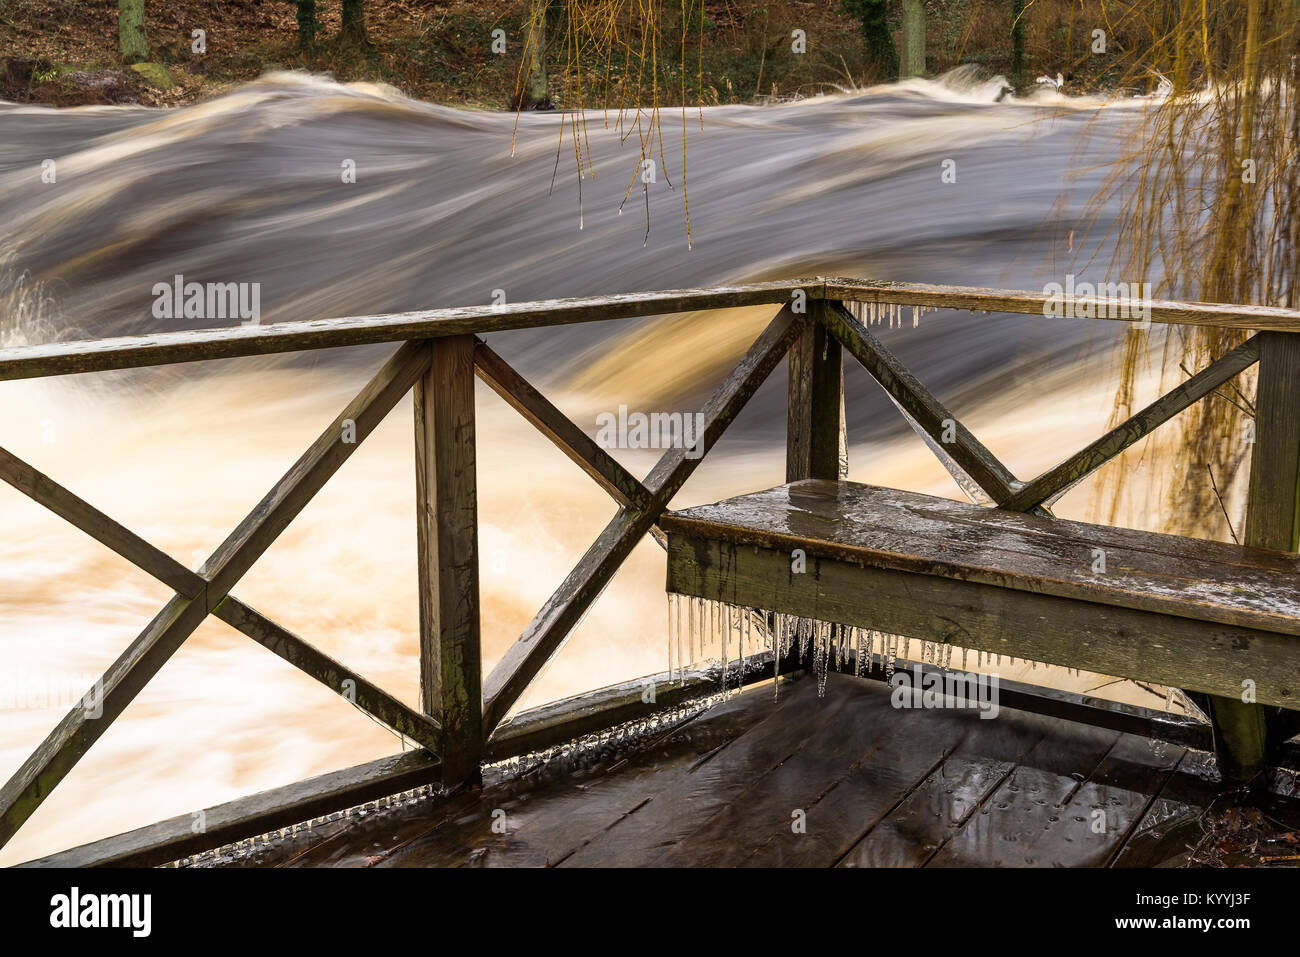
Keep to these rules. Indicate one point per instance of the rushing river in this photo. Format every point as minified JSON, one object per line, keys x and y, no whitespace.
{"x":247,"y":187}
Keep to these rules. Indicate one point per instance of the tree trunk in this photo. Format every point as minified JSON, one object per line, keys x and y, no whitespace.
{"x":130,"y":31}
{"x":877,"y":39}
{"x":537,"y":93}
{"x":354,"y":21}
{"x":307,"y":23}
{"x":1018,"y":42}
{"x":913,"y":38}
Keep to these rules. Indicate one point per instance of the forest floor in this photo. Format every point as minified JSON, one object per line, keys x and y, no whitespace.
{"x":56,"y":53}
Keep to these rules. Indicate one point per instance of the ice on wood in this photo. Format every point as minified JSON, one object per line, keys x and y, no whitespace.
{"x":887,"y":313}
{"x":704,"y":633}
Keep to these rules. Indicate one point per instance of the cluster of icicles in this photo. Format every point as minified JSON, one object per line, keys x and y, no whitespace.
{"x":701,"y":630}
{"x":876,"y":313}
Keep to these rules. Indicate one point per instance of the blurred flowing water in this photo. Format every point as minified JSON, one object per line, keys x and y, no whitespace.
{"x":247,"y":188}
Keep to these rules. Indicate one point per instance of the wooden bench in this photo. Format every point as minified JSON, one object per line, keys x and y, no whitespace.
{"x":1192,"y":614}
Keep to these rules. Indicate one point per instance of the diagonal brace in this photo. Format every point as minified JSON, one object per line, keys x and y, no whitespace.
{"x":126,"y":677}
{"x":921,"y":404}
{"x":524,"y":660}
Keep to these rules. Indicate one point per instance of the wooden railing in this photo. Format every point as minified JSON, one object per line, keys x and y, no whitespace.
{"x":462,"y":716}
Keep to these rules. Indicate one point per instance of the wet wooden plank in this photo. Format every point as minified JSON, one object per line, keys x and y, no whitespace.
{"x":279,"y":807}
{"x":446,"y":521}
{"x":1034,"y":303}
{"x":1007,"y":829}
{"x":130,"y":352}
{"x":1172,"y":822}
{"x":758,"y":822}
{"x":687,"y":801}
{"x":1127,"y":643}
{"x":907,"y":531}
{"x":927,"y":818}
{"x":1090,"y":827}
{"x":815,"y":401}
{"x":872,"y":789}
{"x":549,"y":815}
{"x":364,"y":841}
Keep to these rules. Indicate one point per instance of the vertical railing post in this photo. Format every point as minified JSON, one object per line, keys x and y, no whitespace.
{"x":815,"y":406}
{"x":1242,"y":728}
{"x":447,"y":539}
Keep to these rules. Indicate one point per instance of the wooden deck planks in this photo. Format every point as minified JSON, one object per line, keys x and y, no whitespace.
{"x":940,"y":805}
{"x":878,"y":786}
{"x":1043,"y":814}
{"x":731,"y":774}
{"x":546,"y":822}
{"x":872,"y":737}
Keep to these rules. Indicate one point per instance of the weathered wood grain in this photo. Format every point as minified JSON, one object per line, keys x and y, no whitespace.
{"x":451,"y":659}
{"x":1009,"y":829}
{"x":130,"y":352}
{"x":259,"y":813}
{"x":731,"y":774}
{"x":1112,"y":639}
{"x":1216,"y":314}
{"x":1241,"y":726}
{"x":815,"y":403}
{"x":887,"y":528}
{"x":909,"y":832}
{"x":843,"y":776}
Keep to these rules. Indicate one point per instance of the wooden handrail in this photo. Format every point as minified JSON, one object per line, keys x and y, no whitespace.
{"x":167,"y":348}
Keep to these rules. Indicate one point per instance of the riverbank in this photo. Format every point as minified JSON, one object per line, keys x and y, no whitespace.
{"x":55,"y":54}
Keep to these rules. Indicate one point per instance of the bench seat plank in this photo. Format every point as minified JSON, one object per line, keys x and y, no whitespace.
{"x":909,"y":532}
{"x":1191,"y":614}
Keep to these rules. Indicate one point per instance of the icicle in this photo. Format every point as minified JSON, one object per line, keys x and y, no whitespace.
{"x":671,"y":636}
{"x":744,"y":626}
{"x":774,"y":639}
{"x":724,"y":625}
{"x":682,"y":621}
{"x":821,"y":655}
